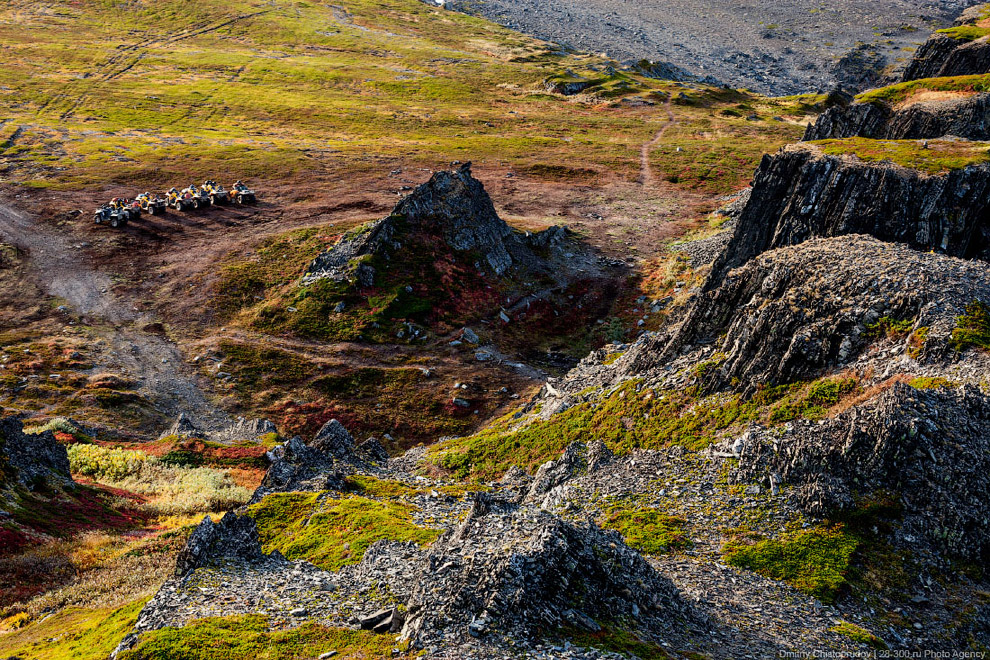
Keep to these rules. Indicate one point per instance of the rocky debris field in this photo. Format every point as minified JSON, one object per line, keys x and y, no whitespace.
{"x":773,"y":48}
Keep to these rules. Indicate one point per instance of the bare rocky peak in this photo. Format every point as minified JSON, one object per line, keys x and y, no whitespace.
{"x":455,"y":208}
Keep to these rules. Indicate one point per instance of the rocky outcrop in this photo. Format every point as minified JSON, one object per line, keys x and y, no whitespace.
{"x":967,"y":118}
{"x":524,"y":570}
{"x":298,"y":467}
{"x":952,"y":55}
{"x":242,"y":430}
{"x":943,"y":56}
{"x":31,"y":460}
{"x":452,"y":207}
{"x":795,"y":313}
{"x":234,"y":538}
{"x":801,"y":193}
{"x":333,"y":440}
{"x":931,"y":448}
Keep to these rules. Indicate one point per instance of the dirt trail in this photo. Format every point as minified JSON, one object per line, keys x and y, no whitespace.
{"x":646,"y":175}
{"x":153,"y":361}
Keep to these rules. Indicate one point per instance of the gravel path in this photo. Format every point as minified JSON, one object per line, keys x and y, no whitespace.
{"x":782,"y":47}
{"x":152,"y":360}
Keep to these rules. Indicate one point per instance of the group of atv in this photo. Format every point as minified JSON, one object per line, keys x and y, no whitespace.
{"x":121,"y":210}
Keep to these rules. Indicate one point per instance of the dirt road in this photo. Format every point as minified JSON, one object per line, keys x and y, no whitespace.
{"x":154,"y":362}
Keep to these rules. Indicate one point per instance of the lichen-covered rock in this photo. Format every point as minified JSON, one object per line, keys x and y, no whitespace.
{"x":931,"y":448}
{"x":967,"y":118}
{"x":31,"y":460}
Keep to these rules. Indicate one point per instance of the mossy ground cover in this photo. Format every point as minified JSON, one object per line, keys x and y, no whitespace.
{"x":632,"y":417}
{"x":250,"y":637}
{"x":895,"y":94}
{"x":972,"y":328}
{"x":647,"y":530}
{"x":73,"y":634}
{"x":170,"y":90}
{"x":930,"y":157}
{"x":398,"y":400}
{"x":618,"y":640}
{"x":815,"y":561}
{"x":330,"y":532}
{"x":859,"y":634}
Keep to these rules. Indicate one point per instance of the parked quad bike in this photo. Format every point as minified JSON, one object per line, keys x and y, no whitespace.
{"x":218,"y":194}
{"x":243,"y":194}
{"x":181,"y":201}
{"x":152,"y":205}
{"x":200,"y":198}
{"x":116,"y":214}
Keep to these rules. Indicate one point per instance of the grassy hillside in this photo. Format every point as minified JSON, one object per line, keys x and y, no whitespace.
{"x":157,"y":92}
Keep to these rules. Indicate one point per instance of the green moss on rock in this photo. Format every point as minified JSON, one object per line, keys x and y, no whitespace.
{"x":329,"y":532}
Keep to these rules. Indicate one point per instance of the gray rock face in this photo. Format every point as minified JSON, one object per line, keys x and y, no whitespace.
{"x":183,"y":427}
{"x":943,"y":56}
{"x":967,"y":118}
{"x":553,"y":473}
{"x":792,"y":314}
{"x":530,"y":570}
{"x":800,"y":193}
{"x":333,"y":440}
{"x":31,"y":460}
{"x":930,"y":447}
{"x":457,"y":205}
{"x":298,"y":467}
{"x":234,"y":538}
{"x":454,"y":207}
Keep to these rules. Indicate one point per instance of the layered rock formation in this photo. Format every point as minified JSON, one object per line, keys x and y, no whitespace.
{"x":955,"y":53}
{"x":931,"y":448}
{"x":801,"y":193}
{"x":967,"y":117}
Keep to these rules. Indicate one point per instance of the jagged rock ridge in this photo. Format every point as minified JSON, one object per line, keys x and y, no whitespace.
{"x":800,"y":193}
{"x":31,"y":459}
{"x":943,"y":55}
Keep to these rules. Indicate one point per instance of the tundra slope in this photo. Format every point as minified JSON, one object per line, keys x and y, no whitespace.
{"x":773,"y":48}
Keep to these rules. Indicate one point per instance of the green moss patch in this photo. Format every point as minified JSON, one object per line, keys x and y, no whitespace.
{"x":815,"y":561}
{"x":249,"y":637}
{"x":972,"y":328}
{"x":648,"y":530}
{"x":332,"y":533}
{"x":632,"y":417}
{"x":931,"y":383}
{"x":858,"y":634}
{"x":939,"y":157}
{"x":74,"y":634}
{"x":617,"y":640}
